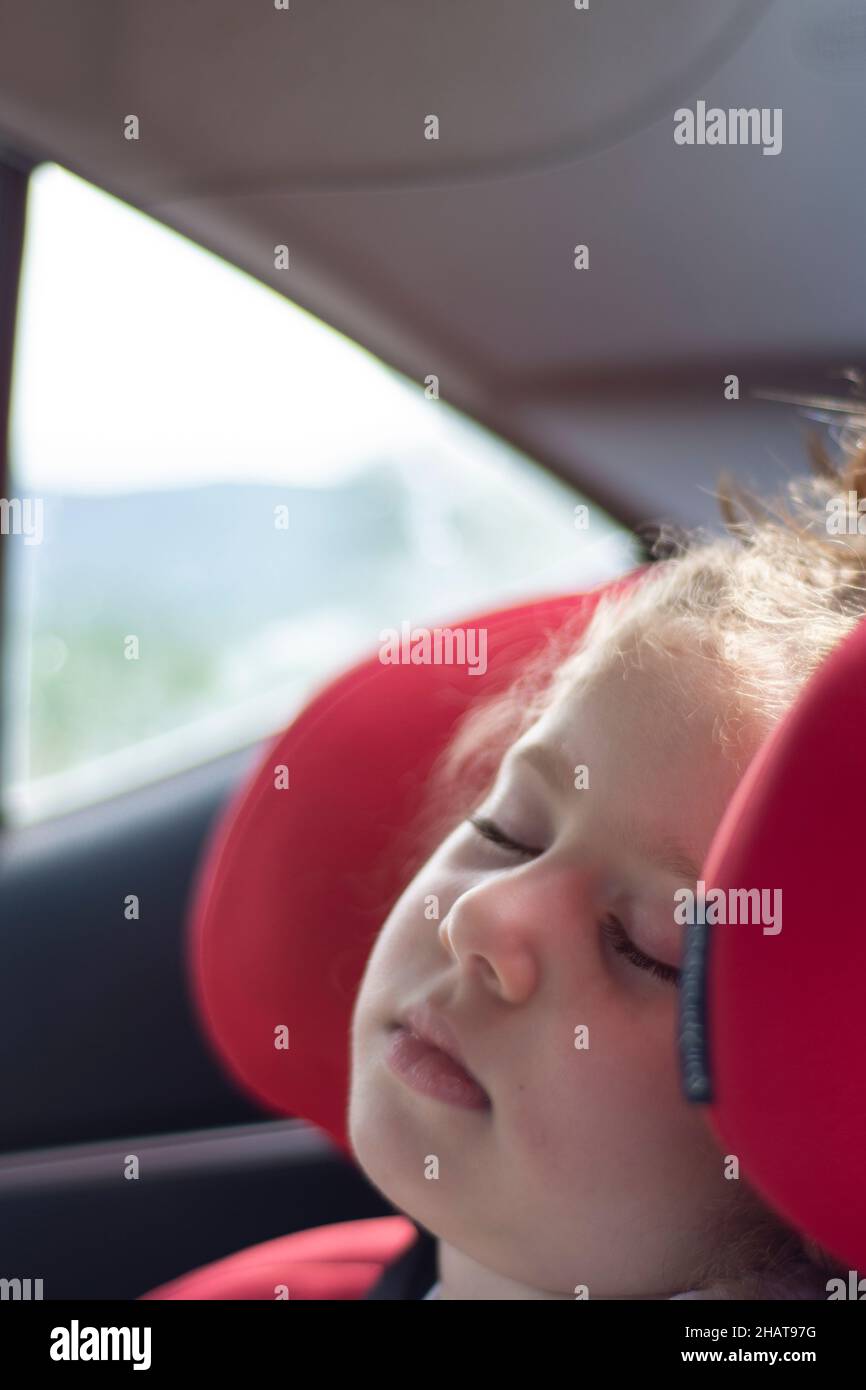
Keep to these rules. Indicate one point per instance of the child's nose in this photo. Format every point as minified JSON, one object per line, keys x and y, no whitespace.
{"x":514,"y":928}
{"x":492,"y":929}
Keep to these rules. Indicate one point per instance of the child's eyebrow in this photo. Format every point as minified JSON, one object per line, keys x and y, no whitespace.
{"x":544,"y":760}
{"x":665,"y":851}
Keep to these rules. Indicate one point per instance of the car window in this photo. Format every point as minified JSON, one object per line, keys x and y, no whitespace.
{"x":221,"y":500}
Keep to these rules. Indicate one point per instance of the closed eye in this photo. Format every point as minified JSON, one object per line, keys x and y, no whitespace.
{"x":619,"y":938}
{"x":489,"y":830}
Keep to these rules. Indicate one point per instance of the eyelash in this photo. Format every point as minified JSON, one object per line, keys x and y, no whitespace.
{"x":491,"y":831}
{"x":612,"y":928}
{"x":619,"y":939}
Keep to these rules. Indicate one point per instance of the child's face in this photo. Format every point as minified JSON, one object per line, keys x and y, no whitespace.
{"x":588,"y":1166}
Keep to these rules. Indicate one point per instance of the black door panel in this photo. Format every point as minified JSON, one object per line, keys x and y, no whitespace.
{"x":95,"y":1009}
{"x":70,"y":1218}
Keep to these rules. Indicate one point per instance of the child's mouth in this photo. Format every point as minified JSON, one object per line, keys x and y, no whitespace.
{"x":430,"y":1071}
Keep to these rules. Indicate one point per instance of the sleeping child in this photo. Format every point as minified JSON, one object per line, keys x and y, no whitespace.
{"x":515,"y":1085}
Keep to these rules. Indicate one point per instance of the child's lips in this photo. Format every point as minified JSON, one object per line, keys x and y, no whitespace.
{"x":433,"y":1027}
{"x":428,"y":1046}
{"x":432,"y":1072}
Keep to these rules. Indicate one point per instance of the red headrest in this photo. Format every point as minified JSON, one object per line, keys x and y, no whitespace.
{"x":295,"y":882}
{"x":781,"y":1051}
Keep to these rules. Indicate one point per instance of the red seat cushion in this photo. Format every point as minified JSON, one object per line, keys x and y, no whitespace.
{"x":327,"y":1262}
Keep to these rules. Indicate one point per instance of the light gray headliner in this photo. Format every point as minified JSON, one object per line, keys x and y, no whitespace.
{"x":455,"y":257}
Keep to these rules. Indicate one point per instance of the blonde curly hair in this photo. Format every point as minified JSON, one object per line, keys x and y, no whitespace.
{"x":770,"y":600}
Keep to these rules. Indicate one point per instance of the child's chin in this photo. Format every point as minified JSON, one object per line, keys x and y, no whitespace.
{"x":384,"y":1147}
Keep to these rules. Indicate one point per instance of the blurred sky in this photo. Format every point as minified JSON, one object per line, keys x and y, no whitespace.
{"x":144,"y":361}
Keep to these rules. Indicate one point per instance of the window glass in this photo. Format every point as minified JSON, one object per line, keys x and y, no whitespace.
{"x":227,"y":501}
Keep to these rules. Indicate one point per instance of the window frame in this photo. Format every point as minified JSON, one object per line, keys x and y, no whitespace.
{"x":15,"y":170}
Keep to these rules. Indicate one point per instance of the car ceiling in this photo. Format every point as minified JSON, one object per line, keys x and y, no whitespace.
{"x":305,"y":127}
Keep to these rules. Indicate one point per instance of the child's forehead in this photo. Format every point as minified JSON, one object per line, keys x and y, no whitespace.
{"x":651,"y":706}
{"x":636,"y":670}
{"x":649,"y":746}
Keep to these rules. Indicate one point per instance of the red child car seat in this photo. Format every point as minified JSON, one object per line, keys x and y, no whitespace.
{"x":285,"y":915}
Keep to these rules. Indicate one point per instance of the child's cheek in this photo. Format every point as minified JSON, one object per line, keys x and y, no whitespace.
{"x":592,"y":1098}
